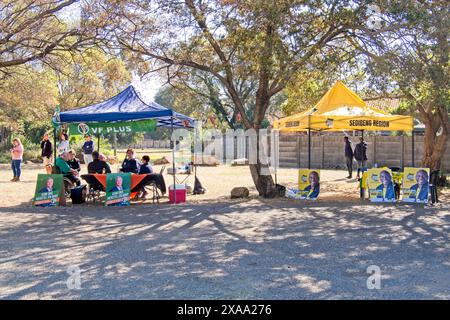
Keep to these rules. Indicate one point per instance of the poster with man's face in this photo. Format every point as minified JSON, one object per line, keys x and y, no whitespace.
{"x":415,"y":185}
{"x":308,"y":184}
{"x":381,"y":185}
{"x":48,"y":190}
{"x":118,"y":189}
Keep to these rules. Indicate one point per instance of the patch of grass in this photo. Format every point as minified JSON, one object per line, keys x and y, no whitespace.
{"x":152,"y":153}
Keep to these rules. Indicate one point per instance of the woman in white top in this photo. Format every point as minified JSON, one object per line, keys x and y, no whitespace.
{"x":64,"y":144}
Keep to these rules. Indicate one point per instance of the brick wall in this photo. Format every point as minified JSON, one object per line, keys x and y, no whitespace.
{"x":327,"y":151}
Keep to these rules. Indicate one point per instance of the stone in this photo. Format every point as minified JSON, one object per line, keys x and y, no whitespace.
{"x":161,"y":161}
{"x":240,"y":193}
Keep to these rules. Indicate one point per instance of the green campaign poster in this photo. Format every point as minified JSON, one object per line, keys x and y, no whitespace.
{"x":118,"y":189}
{"x":49,"y":189}
{"x":92,"y":128}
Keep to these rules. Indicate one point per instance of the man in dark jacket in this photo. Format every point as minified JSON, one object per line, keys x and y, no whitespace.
{"x":47,"y":153}
{"x":349,"y":156}
{"x":97,"y":166}
{"x":88,"y":149}
{"x":361,"y":155}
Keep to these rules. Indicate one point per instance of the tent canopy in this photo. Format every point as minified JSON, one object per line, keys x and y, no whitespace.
{"x":126,"y":106}
{"x":342,"y":109}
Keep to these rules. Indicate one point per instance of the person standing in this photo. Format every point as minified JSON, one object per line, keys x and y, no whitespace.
{"x":349,"y":156}
{"x":361,"y":155}
{"x":16,"y":159}
{"x":47,"y":153}
{"x":88,"y":149}
{"x":64,"y":143}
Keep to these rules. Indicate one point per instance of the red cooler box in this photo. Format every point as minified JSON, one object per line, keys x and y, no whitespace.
{"x":180,"y":192}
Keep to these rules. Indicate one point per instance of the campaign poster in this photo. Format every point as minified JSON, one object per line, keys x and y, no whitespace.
{"x":381,"y":185}
{"x":49,"y":189}
{"x":308,"y":184}
{"x":118,"y":189}
{"x":416,"y":185}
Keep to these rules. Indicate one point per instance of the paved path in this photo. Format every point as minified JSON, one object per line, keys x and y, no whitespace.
{"x":240,"y":250}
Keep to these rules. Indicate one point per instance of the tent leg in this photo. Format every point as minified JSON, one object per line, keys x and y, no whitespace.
{"x":115,"y":144}
{"x":54,"y":146}
{"x":275,"y":153}
{"x":309,"y":148}
{"x":362,"y":134}
{"x":98,"y":144}
{"x":173,"y":162}
{"x":412,"y":148}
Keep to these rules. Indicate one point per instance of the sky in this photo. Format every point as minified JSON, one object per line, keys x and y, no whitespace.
{"x":147,"y":87}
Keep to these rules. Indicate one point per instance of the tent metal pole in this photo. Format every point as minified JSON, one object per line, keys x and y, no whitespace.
{"x":172,"y":142}
{"x":412,"y":148}
{"x":362,"y":134}
{"x":309,"y":142}
{"x":275,"y":151}
{"x":54,"y":146}
{"x":115,"y":144}
{"x":98,"y":143}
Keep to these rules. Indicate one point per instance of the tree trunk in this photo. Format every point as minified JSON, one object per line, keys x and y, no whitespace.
{"x":261,"y":174}
{"x":435,"y":147}
{"x":263,"y":183}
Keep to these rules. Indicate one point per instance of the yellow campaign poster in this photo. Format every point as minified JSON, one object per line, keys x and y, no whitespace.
{"x":416,"y":185}
{"x":381,"y":185}
{"x":308,"y":184}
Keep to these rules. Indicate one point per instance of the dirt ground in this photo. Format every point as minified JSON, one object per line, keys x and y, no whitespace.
{"x":217,"y":248}
{"x":218,"y":181}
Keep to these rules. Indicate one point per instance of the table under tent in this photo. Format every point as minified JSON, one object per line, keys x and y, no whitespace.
{"x":341,"y":109}
{"x":126,"y":108}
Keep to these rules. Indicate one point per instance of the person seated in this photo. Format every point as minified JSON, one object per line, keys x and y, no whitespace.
{"x":145,"y":167}
{"x":65,"y":169}
{"x":130,"y":163}
{"x":98,"y":166}
{"x":73,"y":162}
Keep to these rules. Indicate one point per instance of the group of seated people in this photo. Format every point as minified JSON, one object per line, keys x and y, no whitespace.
{"x":69,"y":165}
{"x":130,"y":164}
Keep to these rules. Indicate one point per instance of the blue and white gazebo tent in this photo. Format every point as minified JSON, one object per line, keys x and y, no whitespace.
{"x":124,"y":107}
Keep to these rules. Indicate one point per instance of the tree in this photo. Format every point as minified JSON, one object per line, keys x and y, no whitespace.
{"x":34,"y":30}
{"x":267,"y":40}
{"x":89,"y":77}
{"x":414,"y":60}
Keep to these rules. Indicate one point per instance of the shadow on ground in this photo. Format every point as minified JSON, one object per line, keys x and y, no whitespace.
{"x":228,"y":250}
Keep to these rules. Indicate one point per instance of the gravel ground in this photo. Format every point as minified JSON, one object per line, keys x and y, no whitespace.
{"x":226,"y":250}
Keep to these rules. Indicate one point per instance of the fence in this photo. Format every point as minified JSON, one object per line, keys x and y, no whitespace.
{"x":328,"y":151}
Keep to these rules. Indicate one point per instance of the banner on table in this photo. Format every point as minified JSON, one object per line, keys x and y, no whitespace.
{"x":49,"y":190}
{"x":118,"y":189}
{"x":381,"y":185}
{"x":308,"y":184}
{"x":415,"y":185}
{"x":116,"y":127}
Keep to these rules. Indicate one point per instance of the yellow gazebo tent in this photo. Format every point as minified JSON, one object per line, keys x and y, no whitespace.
{"x":342,"y":109}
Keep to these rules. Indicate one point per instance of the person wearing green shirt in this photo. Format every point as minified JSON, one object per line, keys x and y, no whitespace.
{"x":65,"y":169}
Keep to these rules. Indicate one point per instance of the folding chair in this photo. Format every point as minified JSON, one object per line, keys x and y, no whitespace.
{"x":95,"y":188}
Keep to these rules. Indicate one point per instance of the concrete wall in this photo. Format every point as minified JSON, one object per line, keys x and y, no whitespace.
{"x":327,"y":151}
